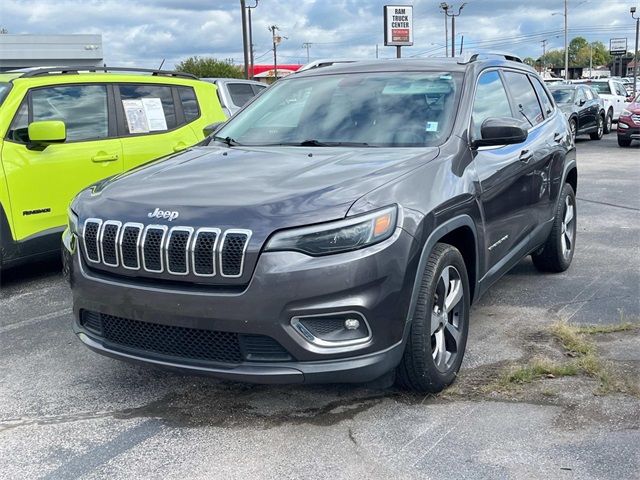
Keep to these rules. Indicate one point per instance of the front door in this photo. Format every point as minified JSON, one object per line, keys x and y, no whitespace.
{"x":43,"y":182}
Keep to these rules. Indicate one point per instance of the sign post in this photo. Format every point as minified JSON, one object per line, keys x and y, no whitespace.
{"x":617,"y":48}
{"x":398,"y":27}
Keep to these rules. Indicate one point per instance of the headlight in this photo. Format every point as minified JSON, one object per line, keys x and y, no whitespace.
{"x":341,"y":236}
{"x":73,"y":222}
{"x":625,"y":113}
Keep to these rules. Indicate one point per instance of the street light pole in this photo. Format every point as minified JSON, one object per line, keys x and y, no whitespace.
{"x":307,"y":45}
{"x":273,"y":29}
{"x":251,"y":37}
{"x":635,"y":54}
{"x":453,"y":25}
{"x":244,"y":38}
{"x":445,"y":8}
{"x":566,"y":44}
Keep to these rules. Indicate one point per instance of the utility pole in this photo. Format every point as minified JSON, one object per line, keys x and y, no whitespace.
{"x":445,"y":8}
{"x":307,"y":45}
{"x":590,"y":59}
{"x":566,"y":43}
{"x":453,"y":25}
{"x":276,"y":39}
{"x":251,"y":37}
{"x":245,"y":46}
{"x":543,"y":64}
{"x":635,"y":54}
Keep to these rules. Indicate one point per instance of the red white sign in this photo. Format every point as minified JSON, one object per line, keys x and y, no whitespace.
{"x":398,"y":25}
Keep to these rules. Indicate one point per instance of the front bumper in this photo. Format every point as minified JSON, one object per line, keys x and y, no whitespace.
{"x":632,"y":132}
{"x":375,"y":282}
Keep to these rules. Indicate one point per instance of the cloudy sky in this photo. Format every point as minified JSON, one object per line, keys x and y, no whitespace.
{"x":143,"y":32}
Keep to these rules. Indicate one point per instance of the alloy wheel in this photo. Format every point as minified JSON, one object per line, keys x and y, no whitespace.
{"x":600,"y":126}
{"x":609,"y":123}
{"x":446,"y":318}
{"x":573,"y":126}
{"x":568,"y":227}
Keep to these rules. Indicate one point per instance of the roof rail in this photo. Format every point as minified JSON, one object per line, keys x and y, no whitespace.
{"x":75,"y":70}
{"x":487,"y":55}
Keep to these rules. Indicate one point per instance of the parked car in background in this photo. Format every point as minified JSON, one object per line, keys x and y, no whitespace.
{"x":64,"y":128}
{"x":339,"y":245}
{"x":612,"y":90}
{"x":584,"y":110}
{"x":234,"y":93}
{"x":629,"y":123}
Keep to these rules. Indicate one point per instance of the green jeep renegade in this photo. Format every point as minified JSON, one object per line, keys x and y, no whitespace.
{"x":62,"y":129}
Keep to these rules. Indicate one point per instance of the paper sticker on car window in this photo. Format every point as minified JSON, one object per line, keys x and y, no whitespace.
{"x":432,"y":127}
{"x":136,"y":116}
{"x":155,"y":114}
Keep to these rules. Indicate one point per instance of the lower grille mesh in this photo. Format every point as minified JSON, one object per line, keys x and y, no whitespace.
{"x":188,"y":343}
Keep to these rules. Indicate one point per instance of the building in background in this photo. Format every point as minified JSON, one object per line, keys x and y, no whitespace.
{"x":22,"y":51}
{"x":266,"y":74}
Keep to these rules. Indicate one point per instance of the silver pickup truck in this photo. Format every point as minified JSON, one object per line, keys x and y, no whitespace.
{"x":233,"y":93}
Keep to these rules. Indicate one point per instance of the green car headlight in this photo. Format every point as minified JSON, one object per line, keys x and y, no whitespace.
{"x":340,"y":236}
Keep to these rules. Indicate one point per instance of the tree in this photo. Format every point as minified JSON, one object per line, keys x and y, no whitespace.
{"x":207,"y":67}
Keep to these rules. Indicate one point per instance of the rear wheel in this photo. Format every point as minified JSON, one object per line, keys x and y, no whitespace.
{"x":557,"y":252}
{"x":597,"y":135}
{"x":608,"y":122}
{"x":440,"y":324}
{"x":624,"y":142}
{"x":573,"y":126}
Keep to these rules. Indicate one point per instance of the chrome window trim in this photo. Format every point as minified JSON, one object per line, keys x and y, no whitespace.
{"x":214,"y":250}
{"x":164,"y":229}
{"x":248,"y":233}
{"x":189,"y":230}
{"x":115,"y":242}
{"x":140,"y":228}
{"x":84,"y":226}
{"x":311,"y":338}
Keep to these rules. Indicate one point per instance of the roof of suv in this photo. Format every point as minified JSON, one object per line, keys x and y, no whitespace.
{"x":455,"y":64}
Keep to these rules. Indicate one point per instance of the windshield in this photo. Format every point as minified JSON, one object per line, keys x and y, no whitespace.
{"x":564,"y":95}
{"x":4,"y":89}
{"x":601,"y":87}
{"x":359,"y":109}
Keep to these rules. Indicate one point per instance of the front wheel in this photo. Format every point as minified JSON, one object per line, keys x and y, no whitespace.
{"x":440,"y":324}
{"x":624,"y":142}
{"x":573,"y":127}
{"x":597,"y":135}
{"x":557,"y":252}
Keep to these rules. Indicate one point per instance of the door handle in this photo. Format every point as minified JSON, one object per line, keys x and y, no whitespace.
{"x":558,"y":137}
{"x":100,"y":158}
{"x":525,"y":156}
{"x":178,"y":147}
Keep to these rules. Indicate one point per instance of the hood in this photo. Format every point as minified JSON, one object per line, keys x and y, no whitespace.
{"x":262,"y":189}
{"x":634,"y":108}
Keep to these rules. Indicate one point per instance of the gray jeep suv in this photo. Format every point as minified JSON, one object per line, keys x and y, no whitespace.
{"x":337,"y":229}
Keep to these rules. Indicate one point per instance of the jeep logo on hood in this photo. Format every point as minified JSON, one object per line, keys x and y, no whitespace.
{"x":166,"y":214}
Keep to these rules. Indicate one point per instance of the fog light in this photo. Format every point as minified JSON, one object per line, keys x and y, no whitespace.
{"x":622,"y":125}
{"x":351,"y":324}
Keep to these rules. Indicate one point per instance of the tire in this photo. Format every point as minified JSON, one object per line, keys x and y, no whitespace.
{"x":573,"y":127}
{"x":597,"y":135}
{"x":557,"y":252}
{"x":608,"y":122}
{"x":440,"y":324}
{"x":624,"y":142}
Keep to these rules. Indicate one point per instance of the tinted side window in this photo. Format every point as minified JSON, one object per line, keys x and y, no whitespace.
{"x":620,"y":90}
{"x":18,"y":129}
{"x":240,"y":93}
{"x":580,"y":95}
{"x":543,"y":96}
{"x":588,"y":93}
{"x":83,"y":109}
{"x":491,"y":101}
{"x":258,"y":88}
{"x":148,"y":108}
{"x":189,"y":103}
{"x":524,"y":96}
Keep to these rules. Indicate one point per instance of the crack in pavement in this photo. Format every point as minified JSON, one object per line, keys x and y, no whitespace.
{"x":608,"y":204}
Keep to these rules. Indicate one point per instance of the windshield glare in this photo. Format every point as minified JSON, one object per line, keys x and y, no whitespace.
{"x":359,"y":109}
{"x":564,"y":95}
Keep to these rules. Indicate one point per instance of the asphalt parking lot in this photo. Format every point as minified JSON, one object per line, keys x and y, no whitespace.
{"x":66,"y":412}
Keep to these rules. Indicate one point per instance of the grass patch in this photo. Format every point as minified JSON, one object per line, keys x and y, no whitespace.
{"x":536,"y":369}
{"x":572,"y":340}
{"x":596,"y":329}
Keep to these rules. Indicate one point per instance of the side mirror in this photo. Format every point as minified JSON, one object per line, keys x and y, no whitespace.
{"x":630,"y":98}
{"x":211,"y":129}
{"x":581,"y":102}
{"x":501,"y":131}
{"x":42,"y":134}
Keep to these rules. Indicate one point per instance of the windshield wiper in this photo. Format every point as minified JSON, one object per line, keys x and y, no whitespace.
{"x":230,"y":142}
{"x":318,"y":143}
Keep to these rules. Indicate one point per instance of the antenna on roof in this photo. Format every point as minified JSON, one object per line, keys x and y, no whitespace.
{"x":161,"y":64}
